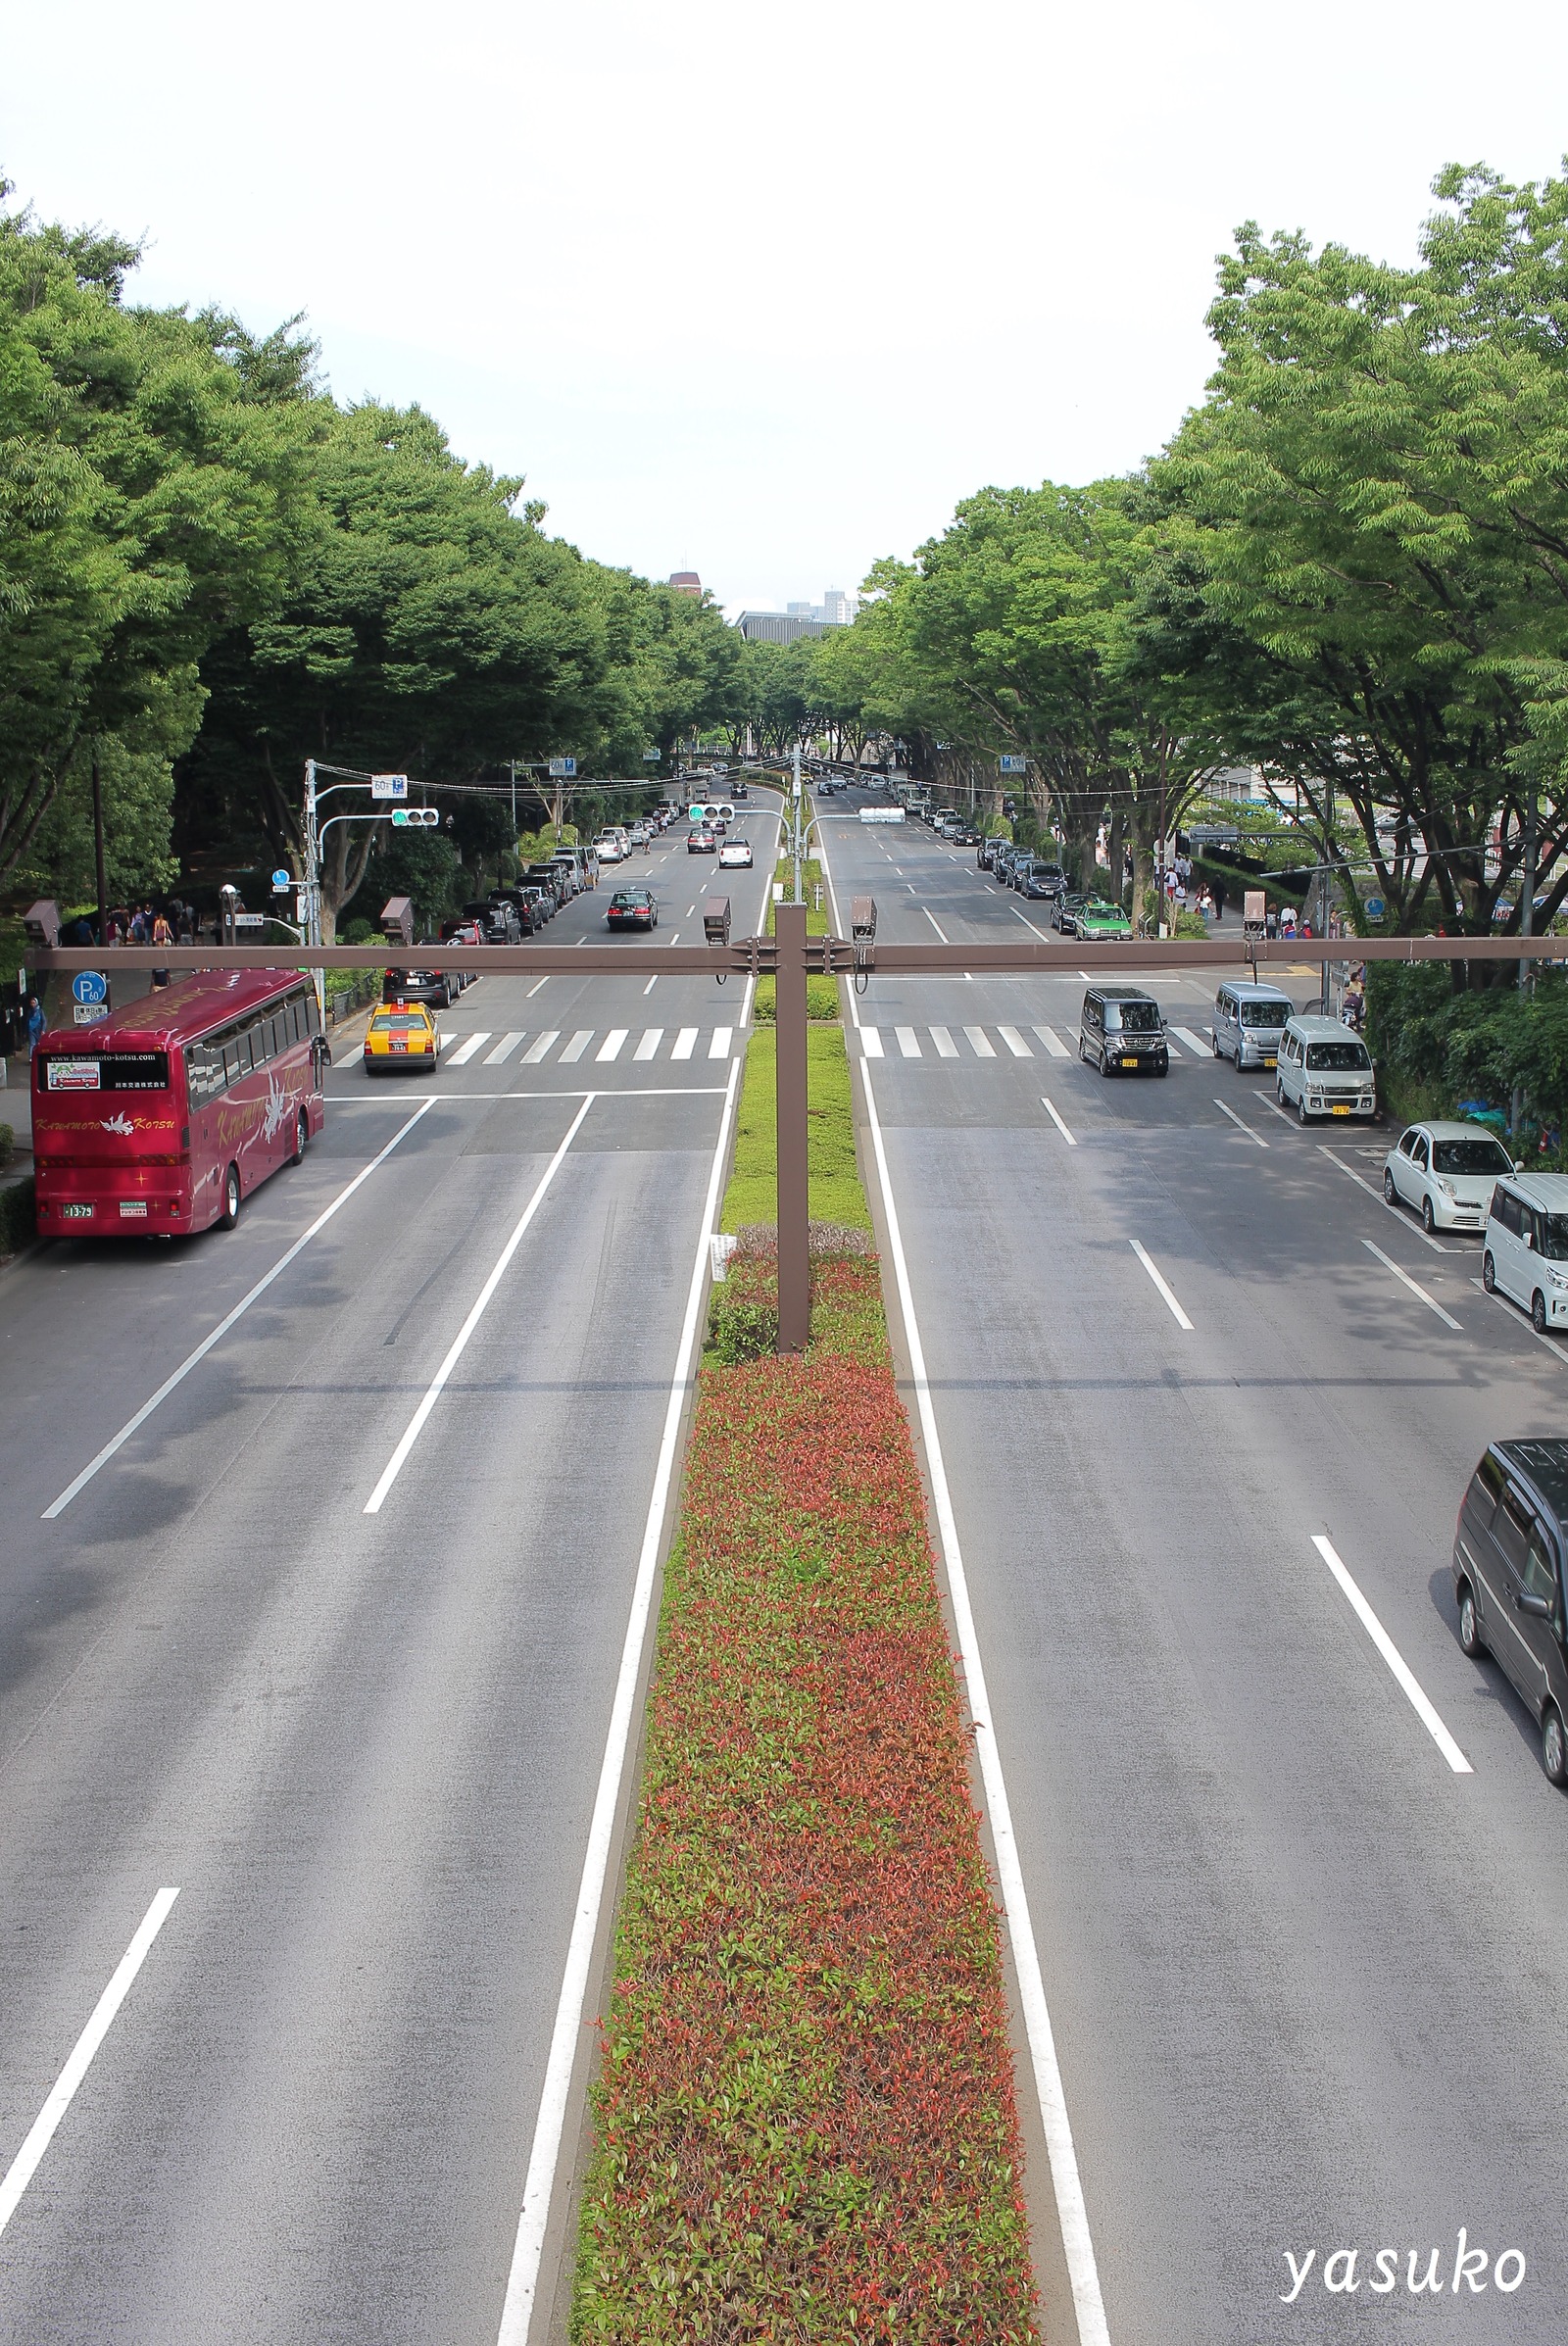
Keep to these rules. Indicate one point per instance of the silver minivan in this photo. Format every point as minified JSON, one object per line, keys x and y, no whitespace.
{"x":1526,"y":1247}
{"x":1324,"y":1070}
{"x":1249,"y":1021}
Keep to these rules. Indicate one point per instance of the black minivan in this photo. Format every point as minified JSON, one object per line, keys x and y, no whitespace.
{"x":1122,"y":1030}
{"x":1508,"y":1555}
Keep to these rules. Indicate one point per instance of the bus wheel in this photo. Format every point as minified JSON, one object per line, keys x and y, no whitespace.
{"x":229,"y":1215}
{"x":302,"y":1133}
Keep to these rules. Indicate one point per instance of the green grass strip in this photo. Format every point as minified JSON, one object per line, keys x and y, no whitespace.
{"x":836,"y":1193}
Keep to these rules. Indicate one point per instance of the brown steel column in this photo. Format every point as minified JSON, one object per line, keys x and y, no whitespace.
{"x":794,"y":1207}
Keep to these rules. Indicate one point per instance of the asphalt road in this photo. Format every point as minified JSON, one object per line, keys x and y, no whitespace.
{"x":1308,"y":1984}
{"x":362,"y":1746}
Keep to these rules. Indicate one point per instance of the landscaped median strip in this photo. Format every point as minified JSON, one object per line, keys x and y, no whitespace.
{"x":804,"y":2125}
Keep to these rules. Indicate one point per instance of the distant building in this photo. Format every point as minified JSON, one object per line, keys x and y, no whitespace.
{"x":777,"y":626}
{"x":838,"y":608}
{"x":686,"y":582}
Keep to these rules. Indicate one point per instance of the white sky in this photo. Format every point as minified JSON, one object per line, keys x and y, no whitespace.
{"x":760,"y":289}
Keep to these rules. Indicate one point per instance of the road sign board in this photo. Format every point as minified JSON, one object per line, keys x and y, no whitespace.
{"x":282,"y":882}
{"x":562,"y":769}
{"x":652,"y":756}
{"x":389,"y":786}
{"x":1213,"y":834}
{"x":1013,"y":765}
{"x":1375,"y":908}
{"x":89,"y":986}
{"x":250,"y":921}
{"x":88,"y":1013}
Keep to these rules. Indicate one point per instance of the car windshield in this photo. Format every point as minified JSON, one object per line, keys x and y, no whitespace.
{"x":1479,"y":1156}
{"x":1341,"y":1058}
{"x":1133,"y":1018}
{"x":400,"y":1021}
{"x":1265,"y":1013}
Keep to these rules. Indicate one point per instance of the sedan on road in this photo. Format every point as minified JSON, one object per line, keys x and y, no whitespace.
{"x":736,"y":852}
{"x":401,"y":1035}
{"x":1069,"y":905}
{"x":1045,"y":881}
{"x":1447,"y":1172}
{"x":632,"y":908}
{"x":703,"y":842}
{"x":1097,"y":919}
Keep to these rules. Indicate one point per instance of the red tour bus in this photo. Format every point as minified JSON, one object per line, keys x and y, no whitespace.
{"x":161,"y":1117}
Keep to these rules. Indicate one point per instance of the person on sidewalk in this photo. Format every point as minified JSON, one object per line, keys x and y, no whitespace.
{"x":34,"y":1025}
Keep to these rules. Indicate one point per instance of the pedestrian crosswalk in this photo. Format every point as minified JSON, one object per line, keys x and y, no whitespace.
{"x":602,"y":1048}
{"x":1011,"y":1042}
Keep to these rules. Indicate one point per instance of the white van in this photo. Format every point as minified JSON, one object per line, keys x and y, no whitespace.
{"x":1324,"y":1070}
{"x":1526,"y":1247}
{"x":1249,"y":1021}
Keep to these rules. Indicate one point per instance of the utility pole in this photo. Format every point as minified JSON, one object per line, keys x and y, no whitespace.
{"x":796,"y":816}
{"x":98,"y":848}
{"x":1526,"y":907}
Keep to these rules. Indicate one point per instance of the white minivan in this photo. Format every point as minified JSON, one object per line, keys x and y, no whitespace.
{"x":1324,"y":1070}
{"x":1249,"y":1021}
{"x":1526,"y":1256}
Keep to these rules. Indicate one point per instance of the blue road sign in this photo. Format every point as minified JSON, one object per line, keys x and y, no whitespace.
{"x":282,"y":882}
{"x":89,"y":985}
{"x":1375,"y":908}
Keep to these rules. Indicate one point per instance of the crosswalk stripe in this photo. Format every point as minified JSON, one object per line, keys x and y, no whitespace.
{"x":685,"y":1043}
{"x":537,"y":1050}
{"x":719,"y":1042}
{"x":1015,"y":1043}
{"x":578,"y":1046}
{"x":1195,"y":1043}
{"x":980,"y":1041}
{"x":909,"y":1041}
{"x":648,"y":1046}
{"x":503,"y":1049}
{"x":465,"y":1051}
{"x":946,"y":1049}
{"x":871,"y":1041}
{"x":610,"y":1048}
{"x":1052,"y":1041}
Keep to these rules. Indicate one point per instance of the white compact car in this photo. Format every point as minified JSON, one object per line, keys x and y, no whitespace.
{"x":1448,"y":1172}
{"x":1526,"y":1256}
{"x":736,"y":851}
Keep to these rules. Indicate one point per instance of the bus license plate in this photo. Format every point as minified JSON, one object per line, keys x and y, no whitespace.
{"x":133,"y":1209}
{"x":75,"y":1213}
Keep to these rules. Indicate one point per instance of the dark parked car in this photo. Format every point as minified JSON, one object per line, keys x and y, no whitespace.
{"x":1043,"y":880}
{"x":547,"y":876}
{"x":1509,"y":1551}
{"x":986,"y":853}
{"x":526,"y":908}
{"x":497,"y":923}
{"x":1069,"y":904}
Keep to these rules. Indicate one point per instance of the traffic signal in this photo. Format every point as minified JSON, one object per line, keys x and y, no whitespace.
{"x":417,"y":818}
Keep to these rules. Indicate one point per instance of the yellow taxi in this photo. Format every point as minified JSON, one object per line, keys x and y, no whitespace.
{"x":401,"y":1035}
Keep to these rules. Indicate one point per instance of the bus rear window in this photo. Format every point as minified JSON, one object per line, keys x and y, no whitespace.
{"x":104,"y":1071}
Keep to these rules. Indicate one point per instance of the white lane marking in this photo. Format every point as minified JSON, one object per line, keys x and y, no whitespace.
{"x":460,"y":1343}
{"x":980,"y":1043}
{"x":610,"y":1048}
{"x":537,"y":1051}
{"x":25,"y":2164}
{"x":691,"y":910}
{"x":1015,"y":1043}
{"x":1276,"y":1108}
{"x":350,"y":1059}
{"x":533,"y":990}
{"x":1377,"y":1195}
{"x":935,"y":923}
{"x":1512,"y":1309}
{"x":1052,"y":1041}
{"x":223,"y":1326}
{"x":1195,"y":1043}
{"x":909,"y":1041}
{"x":1153,"y":1268}
{"x":1084,"y":974}
{"x":871,"y":1041}
{"x":1072,"y":2214}
{"x":745,"y":1003}
{"x":719,"y":1041}
{"x":1414,"y":1286}
{"x":1028,"y":923}
{"x":503,"y":1050}
{"x":555,"y":2099}
{"x":946,"y":1049}
{"x":1396,"y":1660}
{"x":578,"y":1046}
{"x":910,"y":890}
{"x":651,"y":983}
{"x":685,"y":1043}
{"x":1239,"y":1126}
{"x":1057,"y":1122}
{"x":465,"y":1051}
{"x":648,"y":1046}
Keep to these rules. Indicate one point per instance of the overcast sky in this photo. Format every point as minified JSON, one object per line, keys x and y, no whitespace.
{"x":761,"y":290}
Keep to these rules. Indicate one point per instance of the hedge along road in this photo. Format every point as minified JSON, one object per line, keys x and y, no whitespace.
{"x":1296,"y":1961}
{"x":363,"y":1747}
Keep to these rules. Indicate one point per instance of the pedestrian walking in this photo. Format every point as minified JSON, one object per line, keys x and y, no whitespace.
{"x":34,"y":1023}
{"x":1219,"y":900}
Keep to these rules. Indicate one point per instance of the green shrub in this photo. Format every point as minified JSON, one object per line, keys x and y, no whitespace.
{"x":18,"y":1222}
{"x":8,"y":1144}
{"x":741,"y":1326}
